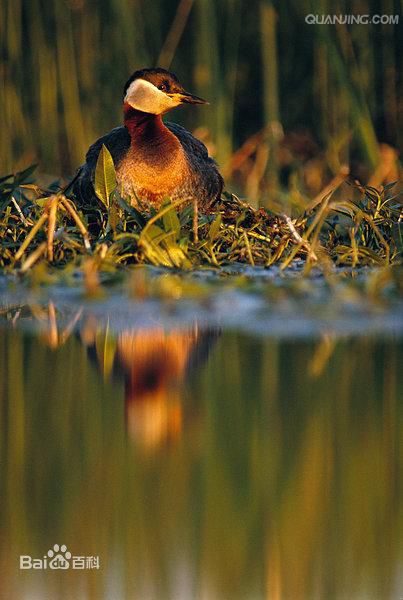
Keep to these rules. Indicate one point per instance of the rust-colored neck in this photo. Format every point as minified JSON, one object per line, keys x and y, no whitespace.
{"x":145,"y":128}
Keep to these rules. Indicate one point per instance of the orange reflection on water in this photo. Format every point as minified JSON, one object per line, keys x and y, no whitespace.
{"x":154,"y":363}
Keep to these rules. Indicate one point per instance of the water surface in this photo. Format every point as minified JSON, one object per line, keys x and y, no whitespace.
{"x":241,"y":450}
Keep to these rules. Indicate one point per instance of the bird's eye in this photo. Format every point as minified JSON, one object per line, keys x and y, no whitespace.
{"x":162,"y":87}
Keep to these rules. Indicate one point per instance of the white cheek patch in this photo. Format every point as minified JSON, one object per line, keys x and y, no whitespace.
{"x":143,"y":95}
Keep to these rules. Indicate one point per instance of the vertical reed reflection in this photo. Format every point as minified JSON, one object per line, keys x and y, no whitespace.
{"x":283,"y":481}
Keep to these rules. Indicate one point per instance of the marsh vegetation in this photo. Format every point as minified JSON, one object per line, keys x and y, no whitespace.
{"x":213,"y":407}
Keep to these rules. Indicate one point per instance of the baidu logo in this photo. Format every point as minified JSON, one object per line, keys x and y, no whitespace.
{"x":59,"y":557}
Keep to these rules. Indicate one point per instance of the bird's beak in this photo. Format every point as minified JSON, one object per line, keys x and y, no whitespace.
{"x":186,"y":98}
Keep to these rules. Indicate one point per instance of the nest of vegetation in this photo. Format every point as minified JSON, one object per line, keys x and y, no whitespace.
{"x":362,"y":226}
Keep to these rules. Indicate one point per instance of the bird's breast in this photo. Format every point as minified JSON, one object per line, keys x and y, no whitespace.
{"x":153,"y":171}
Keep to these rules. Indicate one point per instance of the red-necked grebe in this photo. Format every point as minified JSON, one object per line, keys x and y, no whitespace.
{"x":154,"y":160}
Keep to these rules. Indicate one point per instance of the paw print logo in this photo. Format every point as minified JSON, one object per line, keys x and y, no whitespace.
{"x":60,"y":557}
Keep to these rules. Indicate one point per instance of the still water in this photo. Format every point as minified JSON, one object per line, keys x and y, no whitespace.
{"x":193,"y":460}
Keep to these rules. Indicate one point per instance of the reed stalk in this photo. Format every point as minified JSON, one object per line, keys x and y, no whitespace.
{"x":268,"y":18}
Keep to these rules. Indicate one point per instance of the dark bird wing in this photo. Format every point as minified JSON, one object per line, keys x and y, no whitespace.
{"x":210,"y":180}
{"x":118,"y":142}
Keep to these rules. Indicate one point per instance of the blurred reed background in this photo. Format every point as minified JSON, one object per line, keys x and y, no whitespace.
{"x":291,"y":103}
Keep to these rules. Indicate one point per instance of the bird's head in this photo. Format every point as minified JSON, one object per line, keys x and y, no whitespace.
{"x":156,"y":91}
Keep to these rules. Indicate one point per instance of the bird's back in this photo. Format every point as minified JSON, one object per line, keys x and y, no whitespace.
{"x":207,"y":179}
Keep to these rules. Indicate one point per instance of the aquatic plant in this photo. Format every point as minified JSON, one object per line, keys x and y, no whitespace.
{"x":348,"y":225}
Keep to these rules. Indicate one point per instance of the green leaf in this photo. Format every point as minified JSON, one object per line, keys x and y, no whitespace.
{"x":23,"y":176}
{"x":6,"y":178}
{"x":105,"y":346}
{"x":132,"y":211}
{"x":160,"y":249}
{"x":214,"y":228}
{"x":7,"y":187}
{"x":390,"y":185}
{"x":185,"y":215}
{"x":171,"y":221}
{"x":149,"y":240}
{"x":177,"y":256}
{"x":105,"y":176}
{"x":114,"y":217}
